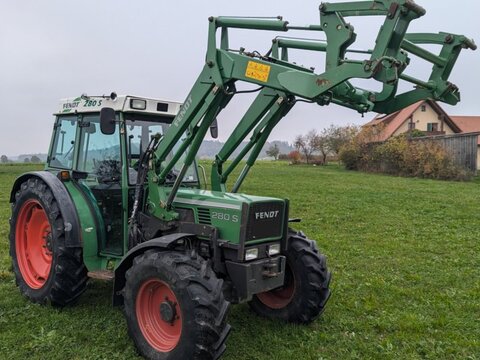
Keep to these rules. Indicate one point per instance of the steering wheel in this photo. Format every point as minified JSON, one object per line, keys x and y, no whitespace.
{"x":107,"y":171}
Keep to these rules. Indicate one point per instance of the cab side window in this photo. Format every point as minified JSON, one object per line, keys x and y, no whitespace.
{"x":64,"y":142}
{"x":99,"y":153}
{"x":139,"y":134}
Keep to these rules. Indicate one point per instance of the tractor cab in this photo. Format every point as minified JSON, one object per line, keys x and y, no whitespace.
{"x":107,"y":164}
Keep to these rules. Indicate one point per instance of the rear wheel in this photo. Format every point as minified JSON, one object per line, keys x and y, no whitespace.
{"x":174,"y":307}
{"x":306,"y":288}
{"x":45,"y":270}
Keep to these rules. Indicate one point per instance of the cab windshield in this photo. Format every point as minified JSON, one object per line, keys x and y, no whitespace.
{"x":140,"y":129}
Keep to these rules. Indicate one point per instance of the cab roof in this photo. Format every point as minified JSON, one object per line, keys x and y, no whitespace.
{"x":123,"y":103}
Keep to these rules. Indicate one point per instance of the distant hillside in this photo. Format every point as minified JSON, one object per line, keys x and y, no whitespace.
{"x":208,"y":150}
{"x":21,"y":158}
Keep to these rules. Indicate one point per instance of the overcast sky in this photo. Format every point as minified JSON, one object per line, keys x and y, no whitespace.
{"x":53,"y":49}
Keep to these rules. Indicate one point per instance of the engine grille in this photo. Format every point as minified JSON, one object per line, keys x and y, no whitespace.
{"x":265,"y":221}
{"x":204,"y":216}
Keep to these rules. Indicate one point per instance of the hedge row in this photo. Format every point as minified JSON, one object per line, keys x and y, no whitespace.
{"x":403,"y":157}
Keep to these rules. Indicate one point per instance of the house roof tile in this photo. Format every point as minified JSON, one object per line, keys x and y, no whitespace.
{"x":467,"y":123}
{"x":393,"y":121}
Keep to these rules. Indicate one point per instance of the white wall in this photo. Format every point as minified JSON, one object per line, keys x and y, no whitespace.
{"x":422,"y":118}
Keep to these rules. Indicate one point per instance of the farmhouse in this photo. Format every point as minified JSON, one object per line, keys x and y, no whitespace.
{"x":428,"y":117}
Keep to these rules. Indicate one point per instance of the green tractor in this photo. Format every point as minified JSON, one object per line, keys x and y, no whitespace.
{"x":123,"y":199}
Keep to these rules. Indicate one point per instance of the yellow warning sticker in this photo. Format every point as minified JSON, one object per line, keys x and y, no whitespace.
{"x":257,"y":71}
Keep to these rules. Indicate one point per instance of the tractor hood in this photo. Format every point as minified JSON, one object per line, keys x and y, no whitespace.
{"x":238,"y":217}
{"x":218,"y":199}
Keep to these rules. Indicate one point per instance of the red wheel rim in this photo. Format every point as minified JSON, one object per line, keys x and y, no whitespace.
{"x":162,"y":329}
{"x":281,"y":297}
{"x":33,"y":244}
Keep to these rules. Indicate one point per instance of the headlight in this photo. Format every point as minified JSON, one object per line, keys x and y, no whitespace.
{"x":274,"y":249}
{"x":251,"y":254}
{"x":138,"y":104}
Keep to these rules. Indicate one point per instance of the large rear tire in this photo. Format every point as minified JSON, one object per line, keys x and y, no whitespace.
{"x":46,"y":271}
{"x":175,"y":308}
{"x":306,"y":289}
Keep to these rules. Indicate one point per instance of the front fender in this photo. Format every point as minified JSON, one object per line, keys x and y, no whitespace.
{"x":161,"y":243}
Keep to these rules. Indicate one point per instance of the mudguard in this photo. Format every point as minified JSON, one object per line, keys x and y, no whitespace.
{"x":162,"y":243}
{"x":65,"y":203}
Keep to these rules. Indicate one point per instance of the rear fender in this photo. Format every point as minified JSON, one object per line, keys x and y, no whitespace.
{"x":65,"y":203}
{"x":161,"y":243}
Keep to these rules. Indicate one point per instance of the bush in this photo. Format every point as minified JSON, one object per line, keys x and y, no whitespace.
{"x":350,"y":155}
{"x":402,"y":156}
{"x":295,"y":157}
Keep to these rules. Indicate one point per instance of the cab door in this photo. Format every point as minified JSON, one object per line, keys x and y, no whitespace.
{"x":100,"y":158}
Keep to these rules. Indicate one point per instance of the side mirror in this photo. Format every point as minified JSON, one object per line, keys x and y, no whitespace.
{"x":214,"y":129}
{"x":107,"y":121}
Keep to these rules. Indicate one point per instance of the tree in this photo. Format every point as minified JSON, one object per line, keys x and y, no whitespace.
{"x":306,"y":144}
{"x":35,"y":159}
{"x":4,"y":159}
{"x":273,"y":151}
{"x":301,"y":144}
{"x":321,"y":145}
{"x":26,"y":160}
{"x":339,"y":136}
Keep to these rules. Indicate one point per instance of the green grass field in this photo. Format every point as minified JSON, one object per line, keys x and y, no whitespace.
{"x":405,"y":256}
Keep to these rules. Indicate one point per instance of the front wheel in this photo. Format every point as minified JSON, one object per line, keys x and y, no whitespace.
{"x":306,"y":288}
{"x":175,"y":308}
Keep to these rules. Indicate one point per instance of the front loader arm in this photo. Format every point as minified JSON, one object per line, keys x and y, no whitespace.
{"x":261,"y":105}
{"x":262,"y":117}
{"x":437,"y":86}
{"x":225,"y":66}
